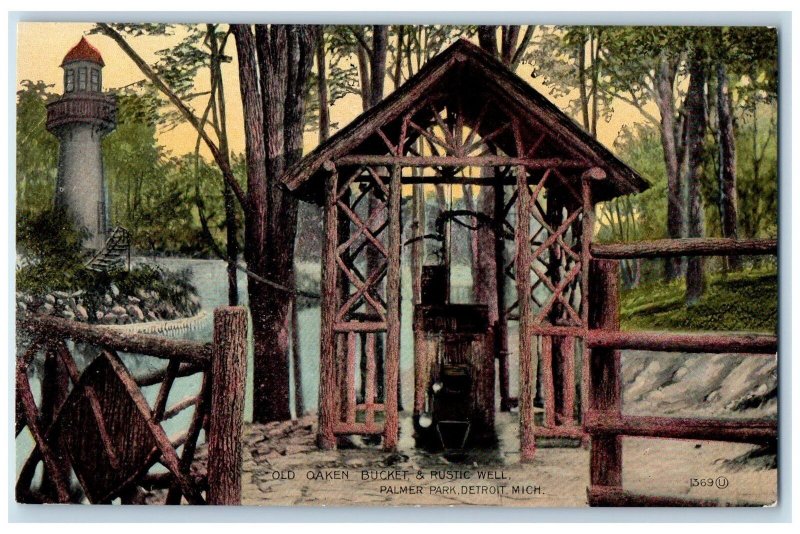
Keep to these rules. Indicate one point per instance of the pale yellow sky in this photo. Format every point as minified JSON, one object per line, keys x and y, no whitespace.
{"x":42,"y":46}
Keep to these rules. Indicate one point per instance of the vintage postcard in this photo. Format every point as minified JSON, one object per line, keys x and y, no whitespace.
{"x":396,"y":265}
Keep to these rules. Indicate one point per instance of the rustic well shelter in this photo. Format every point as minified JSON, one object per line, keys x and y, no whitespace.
{"x":463,"y":113}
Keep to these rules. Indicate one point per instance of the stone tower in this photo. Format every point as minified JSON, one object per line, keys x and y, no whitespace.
{"x":80,"y":119}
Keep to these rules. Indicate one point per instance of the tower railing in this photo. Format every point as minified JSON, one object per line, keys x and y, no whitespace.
{"x":87,"y":107}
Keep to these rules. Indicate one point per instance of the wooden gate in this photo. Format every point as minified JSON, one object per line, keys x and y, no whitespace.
{"x":98,"y":424}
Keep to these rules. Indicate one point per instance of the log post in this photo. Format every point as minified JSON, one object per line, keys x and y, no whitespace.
{"x":501,"y":331}
{"x":527,"y":440}
{"x":567,"y":414}
{"x":392,"y":363}
{"x":228,"y":376}
{"x":548,"y":388}
{"x":328,"y":387}
{"x":587,"y":233}
{"x":604,"y":384}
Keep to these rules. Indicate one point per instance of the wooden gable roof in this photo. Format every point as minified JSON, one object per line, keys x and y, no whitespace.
{"x":472,"y":75}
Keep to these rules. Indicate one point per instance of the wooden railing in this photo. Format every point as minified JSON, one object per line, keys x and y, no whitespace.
{"x":97,"y":424}
{"x":94,"y":108}
{"x":604,"y":420}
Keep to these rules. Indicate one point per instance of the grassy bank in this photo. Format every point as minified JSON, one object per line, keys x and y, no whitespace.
{"x":743,"y":301}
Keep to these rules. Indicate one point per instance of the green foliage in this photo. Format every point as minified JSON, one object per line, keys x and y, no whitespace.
{"x":640,"y":148}
{"x":37,"y":149}
{"x":757,"y":171}
{"x":51,"y":246}
{"x":745,"y":301}
{"x":55,"y":261}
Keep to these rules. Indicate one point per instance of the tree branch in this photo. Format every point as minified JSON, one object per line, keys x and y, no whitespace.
{"x":526,"y":40}
{"x":184,"y":110}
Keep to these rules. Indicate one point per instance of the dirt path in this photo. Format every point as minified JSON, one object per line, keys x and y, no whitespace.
{"x":283,"y":467}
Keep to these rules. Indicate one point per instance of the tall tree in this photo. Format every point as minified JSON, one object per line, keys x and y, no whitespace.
{"x":696,"y":113}
{"x":728,"y":205}
{"x":280,"y":58}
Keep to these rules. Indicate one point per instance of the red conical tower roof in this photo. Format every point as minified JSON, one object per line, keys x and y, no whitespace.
{"x":83,"y":51}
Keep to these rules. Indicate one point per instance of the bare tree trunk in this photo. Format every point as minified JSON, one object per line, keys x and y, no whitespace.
{"x":727,"y":164}
{"x":231,"y":226}
{"x":469,"y":203}
{"x":695,"y":146}
{"x":484,"y":272}
{"x":282,"y":56}
{"x":297,"y":360}
{"x":582,"y":85}
{"x":322,"y":88}
{"x":675,"y":211}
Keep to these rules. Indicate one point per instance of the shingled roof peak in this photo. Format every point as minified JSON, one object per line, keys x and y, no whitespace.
{"x":83,"y":51}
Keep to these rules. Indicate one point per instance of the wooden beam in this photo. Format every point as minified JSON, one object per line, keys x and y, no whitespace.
{"x":739,"y":431}
{"x":392,"y":362}
{"x":501,"y":331}
{"x":328,"y":304}
{"x":605,"y":496}
{"x":523,"y":279}
{"x":548,"y":388}
{"x":689,"y":246}
{"x":463,"y":161}
{"x":755,"y":344}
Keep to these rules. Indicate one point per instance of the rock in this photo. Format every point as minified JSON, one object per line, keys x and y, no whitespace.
{"x":114,"y":290}
{"x":81,"y":313}
{"x":133,"y":300}
{"x":22,"y":306}
{"x":135,"y":312}
{"x":50,"y":299}
{"x":68,"y":314}
{"x":123,"y":318}
{"x":47,"y":308}
{"x":99,"y":315}
{"x":118,"y":310}
{"x":151,"y":315}
{"x":109,"y":318}
{"x":107,"y":300}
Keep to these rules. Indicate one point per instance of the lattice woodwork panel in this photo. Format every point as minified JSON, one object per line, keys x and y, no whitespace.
{"x":556,"y":264}
{"x":104,"y":429}
{"x":362,"y":258}
{"x":107,"y":438}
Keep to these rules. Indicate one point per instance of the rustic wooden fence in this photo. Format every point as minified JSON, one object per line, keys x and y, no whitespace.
{"x":98,"y":424}
{"x":604,"y":420}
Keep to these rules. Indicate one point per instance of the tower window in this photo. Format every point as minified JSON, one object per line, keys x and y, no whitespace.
{"x":82,"y":79}
{"x":69,"y":80}
{"x":94,"y":80}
